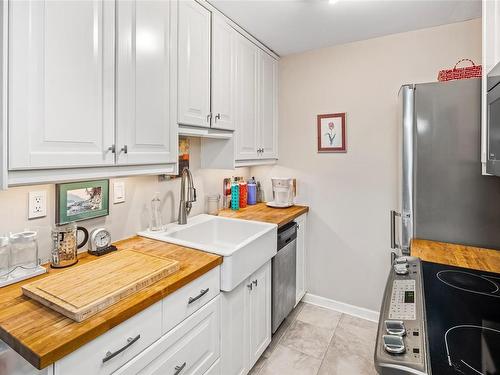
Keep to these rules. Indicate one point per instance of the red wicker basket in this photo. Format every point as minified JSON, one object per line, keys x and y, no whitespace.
{"x":473,"y":71}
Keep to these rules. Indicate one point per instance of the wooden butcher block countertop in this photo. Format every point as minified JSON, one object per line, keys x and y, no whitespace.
{"x":261,"y":212}
{"x":43,"y":336}
{"x":457,"y":255}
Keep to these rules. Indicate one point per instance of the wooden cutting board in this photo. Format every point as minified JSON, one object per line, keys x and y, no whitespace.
{"x":83,"y":291}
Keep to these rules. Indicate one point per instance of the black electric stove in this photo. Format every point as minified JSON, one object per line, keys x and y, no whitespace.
{"x":463,"y":320}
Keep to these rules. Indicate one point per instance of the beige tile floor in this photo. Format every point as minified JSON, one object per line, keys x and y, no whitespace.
{"x":317,"y":341}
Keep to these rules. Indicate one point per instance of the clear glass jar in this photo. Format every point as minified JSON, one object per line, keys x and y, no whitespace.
{"x":4,"y":257}
{"x":24,"y":250}
{"x":213,"y":204}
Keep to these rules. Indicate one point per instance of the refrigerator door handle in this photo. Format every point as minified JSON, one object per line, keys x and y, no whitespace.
{"x":394,"y":244}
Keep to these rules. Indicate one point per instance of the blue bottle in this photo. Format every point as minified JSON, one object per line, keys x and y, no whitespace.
{"x":252,"y":191}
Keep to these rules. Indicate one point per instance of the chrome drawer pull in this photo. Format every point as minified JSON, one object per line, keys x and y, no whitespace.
{"x":202,"y":293}
{"x":111,"y":355}
{"x":255,"y":282}
{"x":178,"y":369}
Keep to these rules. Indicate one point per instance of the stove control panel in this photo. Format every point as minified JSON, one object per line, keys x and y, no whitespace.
{"x":401,"y":333}
{"x":403,"y":304}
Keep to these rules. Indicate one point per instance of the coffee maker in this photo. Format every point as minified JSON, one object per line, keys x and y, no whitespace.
{"x":284,"y":191}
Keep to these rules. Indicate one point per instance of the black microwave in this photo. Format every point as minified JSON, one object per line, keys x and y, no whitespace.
{"x":493,"y":120}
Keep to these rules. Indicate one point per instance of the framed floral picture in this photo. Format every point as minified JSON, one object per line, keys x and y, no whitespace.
{"x":332,"y":133}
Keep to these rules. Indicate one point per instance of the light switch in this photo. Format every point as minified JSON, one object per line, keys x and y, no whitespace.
{"x":119,"y":192}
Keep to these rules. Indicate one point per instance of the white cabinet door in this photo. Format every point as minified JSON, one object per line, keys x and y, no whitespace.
{"x":192,"y":347}
{"x":247,"y":55}
{"x":61,"y":83}
{"x":260,"y":313}
{"x":223,"y":74}
{"x":268,"y":106}
{"x":301,"y":257}
{"x":193,"y":64}
{"x":235,"y":330}
{"x":146,"y":121}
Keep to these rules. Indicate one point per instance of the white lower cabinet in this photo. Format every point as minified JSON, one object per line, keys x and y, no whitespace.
{"x":246,"y":317}
{"x":178,"y":335}
{"x":190,"y":348}
{"x":111,"y":350}
{"x":301,"y":257}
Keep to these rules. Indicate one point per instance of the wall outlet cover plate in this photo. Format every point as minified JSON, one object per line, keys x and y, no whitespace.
{"x":37,"y":204}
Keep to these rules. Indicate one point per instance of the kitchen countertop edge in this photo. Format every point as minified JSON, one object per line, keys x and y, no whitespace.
{"x":457,"y":255}
{"x":42,"y":359}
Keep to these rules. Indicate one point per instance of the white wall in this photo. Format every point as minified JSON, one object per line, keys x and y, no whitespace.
{"x":350,"y":195}
{"x":125,"y":219}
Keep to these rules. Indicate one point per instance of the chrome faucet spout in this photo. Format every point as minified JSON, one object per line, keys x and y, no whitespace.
{"x":186,"y":204}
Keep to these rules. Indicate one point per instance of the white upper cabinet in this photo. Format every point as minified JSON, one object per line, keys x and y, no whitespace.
{"x":223,"y":74}
{"x":268,"y":106}
{"x":145,"y":96}
{"x":256,"y":93}
{"x":247,"y":134}
{"x":61,"y":83}
{"x":194,"y":64}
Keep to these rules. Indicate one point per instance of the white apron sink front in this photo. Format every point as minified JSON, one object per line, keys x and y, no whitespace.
{"x":245,"y":245}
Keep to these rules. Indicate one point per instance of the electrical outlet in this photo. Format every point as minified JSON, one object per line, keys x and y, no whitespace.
{"x":37,"y":205}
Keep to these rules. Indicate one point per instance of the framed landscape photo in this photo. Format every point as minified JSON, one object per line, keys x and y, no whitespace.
{"x":332,"y":133}
{"x":81,"y":200}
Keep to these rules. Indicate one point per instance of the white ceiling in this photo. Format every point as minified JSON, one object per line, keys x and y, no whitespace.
{"x":291,"y":26}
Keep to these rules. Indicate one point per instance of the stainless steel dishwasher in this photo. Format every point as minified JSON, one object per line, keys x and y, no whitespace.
{"x":284,"y":275}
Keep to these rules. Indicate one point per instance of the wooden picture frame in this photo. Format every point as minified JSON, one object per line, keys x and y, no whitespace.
{"x":331,"y":130}
{"x":87,"y":200}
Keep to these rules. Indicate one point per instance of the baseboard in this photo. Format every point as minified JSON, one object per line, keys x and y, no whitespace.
{"x":342,"y":307}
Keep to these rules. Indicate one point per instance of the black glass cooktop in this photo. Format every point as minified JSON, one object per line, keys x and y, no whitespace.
{"x":463,"y":320}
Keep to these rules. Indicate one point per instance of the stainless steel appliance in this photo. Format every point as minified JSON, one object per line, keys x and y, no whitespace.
{"x":440,"y":320}
{"x":401,"y":338}
{"x":493,"y":120}
{"x":284,"y":275}
{"x":444,"y":196}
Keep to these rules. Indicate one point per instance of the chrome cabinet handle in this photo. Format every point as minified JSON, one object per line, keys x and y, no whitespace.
{"x":202,"y":293}
{"x":130,"y":342}
{"x":178,"y":369}
{"x":255,"y":282}
{"x":112,"y":148}
{"x":209,"y":117}
{"x":250,"y":286}
{"x":217,"y":117}
{"x":124,"y":149}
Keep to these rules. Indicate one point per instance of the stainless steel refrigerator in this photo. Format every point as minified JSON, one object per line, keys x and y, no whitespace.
{"x":444,"y":196}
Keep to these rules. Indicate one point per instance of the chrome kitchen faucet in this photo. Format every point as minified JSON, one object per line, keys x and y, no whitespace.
{"x":186,"y":204}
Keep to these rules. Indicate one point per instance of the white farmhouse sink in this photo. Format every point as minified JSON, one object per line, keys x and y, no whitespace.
{"x":245,"y":245}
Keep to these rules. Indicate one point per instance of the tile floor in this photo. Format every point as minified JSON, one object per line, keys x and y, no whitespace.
{"x":317,"y":341}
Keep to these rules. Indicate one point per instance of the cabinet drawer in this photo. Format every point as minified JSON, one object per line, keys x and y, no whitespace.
{"x":215,"y":369}
{"x":133,"y":336}
{"x":188,"y":349}
{"x":185,"y":301}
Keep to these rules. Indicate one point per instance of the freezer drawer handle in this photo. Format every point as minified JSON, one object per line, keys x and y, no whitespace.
{"x":130,"y":342}
{"x":178,"y":369}
{"x":202,"y":293}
